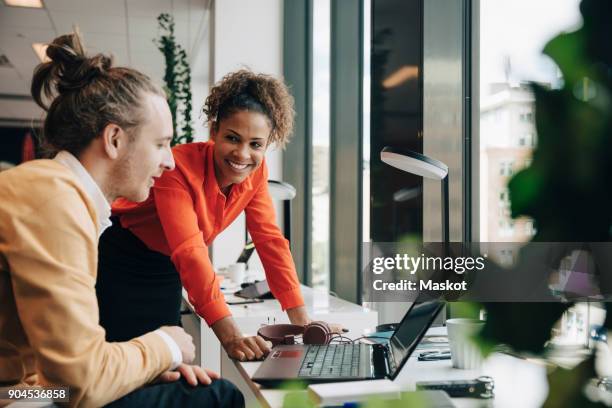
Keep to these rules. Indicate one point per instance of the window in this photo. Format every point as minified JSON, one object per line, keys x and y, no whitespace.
{"x":526,"y":117}
{"x":504,"y":198}
{"x":512,"y":36}
{"x":396,"y":115}
{"x":529,"y":228}
{"x":321,"y":58}
{"x":526,"y":140}
{"x":320,"y":143}
{"x":505,"y":168}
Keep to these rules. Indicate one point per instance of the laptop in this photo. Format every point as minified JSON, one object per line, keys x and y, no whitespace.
{"x":311,"y":364}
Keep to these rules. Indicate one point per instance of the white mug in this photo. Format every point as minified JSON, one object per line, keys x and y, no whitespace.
{"x":237,"y":272}
{"x":464,"y":353}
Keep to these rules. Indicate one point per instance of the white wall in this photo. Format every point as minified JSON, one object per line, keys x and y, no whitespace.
{"x":246,"y":34}
{"x":199,"y":59}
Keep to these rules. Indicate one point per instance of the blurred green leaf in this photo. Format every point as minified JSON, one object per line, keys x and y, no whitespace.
{"x":565,"y":386}
{"x":297,"y":399}
{"x":526,"y":327}
{"x":567,"y":189}
{"x":568,"y":51}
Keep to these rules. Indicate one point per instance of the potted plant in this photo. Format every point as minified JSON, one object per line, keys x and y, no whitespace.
{"x":177,"y":79}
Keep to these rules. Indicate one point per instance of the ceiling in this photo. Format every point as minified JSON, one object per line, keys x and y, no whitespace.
{"x":123,"y":28}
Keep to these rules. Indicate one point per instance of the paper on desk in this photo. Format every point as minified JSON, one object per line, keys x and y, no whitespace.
{"x":352,"y":391}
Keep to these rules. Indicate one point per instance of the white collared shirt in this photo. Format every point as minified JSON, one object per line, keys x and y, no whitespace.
{"x":103,"y":208}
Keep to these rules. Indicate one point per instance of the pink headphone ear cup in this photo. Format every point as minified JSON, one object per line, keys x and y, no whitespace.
{"x":317,"y":333}
{"x":280,"y":333}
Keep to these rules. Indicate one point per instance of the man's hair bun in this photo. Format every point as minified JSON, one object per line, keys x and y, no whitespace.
{"x":83,"y":94}
{"x":68,"y":69}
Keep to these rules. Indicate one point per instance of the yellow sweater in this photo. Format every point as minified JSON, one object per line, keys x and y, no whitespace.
{"x":49,"y":331}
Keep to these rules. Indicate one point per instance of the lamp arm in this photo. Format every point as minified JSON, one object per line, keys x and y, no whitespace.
{"x":445,"y":211}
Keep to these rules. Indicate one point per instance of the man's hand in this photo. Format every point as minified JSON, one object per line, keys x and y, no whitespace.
{"x":183,"y":340}
{"x":247,"y":348}
{"x":193,"y":374}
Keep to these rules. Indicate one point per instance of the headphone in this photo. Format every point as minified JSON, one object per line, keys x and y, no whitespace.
{"x":313,"y":333}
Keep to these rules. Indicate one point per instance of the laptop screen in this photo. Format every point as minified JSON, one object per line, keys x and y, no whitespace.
{"x":411,"y":330}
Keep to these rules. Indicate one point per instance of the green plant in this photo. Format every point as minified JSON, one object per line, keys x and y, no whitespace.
{"x":567,"y":190}
{"x":177,"y":78}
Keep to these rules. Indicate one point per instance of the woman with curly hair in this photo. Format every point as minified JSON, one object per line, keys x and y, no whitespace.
{"x":157,"y":246}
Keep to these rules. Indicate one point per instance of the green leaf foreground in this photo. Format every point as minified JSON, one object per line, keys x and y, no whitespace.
{"x":567,"y":188}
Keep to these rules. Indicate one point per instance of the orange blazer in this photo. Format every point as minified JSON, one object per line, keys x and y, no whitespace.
{"x":186,"y":210}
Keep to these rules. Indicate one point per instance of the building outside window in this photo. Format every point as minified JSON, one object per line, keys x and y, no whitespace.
{"x":512,"y":36}
{"x":320,"y":139}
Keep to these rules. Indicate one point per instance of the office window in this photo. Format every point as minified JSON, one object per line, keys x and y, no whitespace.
{"x":529,"y":228}
{"x":527,"y":140}
{"x":504,"y":197}
{"x":526,"y":117}
{"x":506,"y":168}
{"x":321,"y":59}
{"x":365,"y":179}
{"x":320,"y":143}
{"x":512,"y":35}
{"x":396,"y":102}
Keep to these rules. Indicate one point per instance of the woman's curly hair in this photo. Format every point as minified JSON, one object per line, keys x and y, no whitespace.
{"x":245,"y":90}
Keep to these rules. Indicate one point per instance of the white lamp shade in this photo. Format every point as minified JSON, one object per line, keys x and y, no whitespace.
{"x":414,"y":163}
{"x":280,"y":190}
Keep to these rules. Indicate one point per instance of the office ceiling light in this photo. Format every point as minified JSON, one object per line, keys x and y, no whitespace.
{"x":40,"y":50}
{"x":405,"y":73}
{"x":24,"y":3}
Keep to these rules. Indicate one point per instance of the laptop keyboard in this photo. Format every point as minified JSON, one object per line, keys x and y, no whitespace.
{"x":331,"y":360}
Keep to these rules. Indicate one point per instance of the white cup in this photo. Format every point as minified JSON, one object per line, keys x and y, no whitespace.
{"x":464,"y":352}
{"x":237,"y":272}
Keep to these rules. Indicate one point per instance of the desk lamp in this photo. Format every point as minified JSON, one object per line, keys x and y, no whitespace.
{"x":421,"y":165}
{"x":285,"y":192}
{"x":279,"y":190}
{"x":401,"y":196}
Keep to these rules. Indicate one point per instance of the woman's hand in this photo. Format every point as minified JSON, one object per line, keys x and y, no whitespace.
{"x":337,"y":328}
{"x":247,"y":348}
{"x":238,"y":346}
{"x":193,"y":374}
{"x":298,"y":315}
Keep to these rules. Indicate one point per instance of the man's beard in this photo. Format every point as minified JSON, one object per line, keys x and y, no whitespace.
{"x":121,"y":178}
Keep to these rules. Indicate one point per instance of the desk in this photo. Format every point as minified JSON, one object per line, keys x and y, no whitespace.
{"x":518,"y":383}
{"x":249,"y":318}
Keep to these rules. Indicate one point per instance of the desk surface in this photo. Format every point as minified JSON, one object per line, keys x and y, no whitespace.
{"x":518,"y":383}
{"x":317,"y":302}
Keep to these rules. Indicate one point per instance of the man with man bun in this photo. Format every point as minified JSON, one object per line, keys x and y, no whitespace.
{"x":111,"y":128}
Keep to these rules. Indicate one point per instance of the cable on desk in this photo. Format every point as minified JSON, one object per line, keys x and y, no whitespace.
{"x":371,"y":337}
{"x":340,"y":339}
